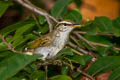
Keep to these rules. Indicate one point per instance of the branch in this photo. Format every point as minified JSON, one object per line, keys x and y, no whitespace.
{"x":82,"y":38}
{"x":87,"y":75}
{"x":103,"y":45}
{"x":80,"y":49}
{"x":75,"y":51}
{"x":37,"y":10}
{"x":99,"y":34}
{"x":7,"y":44}
{"x":59,"y":63}
{"x":75,"y":40}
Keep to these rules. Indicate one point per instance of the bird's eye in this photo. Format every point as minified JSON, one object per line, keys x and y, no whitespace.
{"x":65,"y":24}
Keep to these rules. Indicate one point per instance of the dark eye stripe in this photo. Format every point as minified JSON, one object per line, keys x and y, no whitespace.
{"x":65,"y":24}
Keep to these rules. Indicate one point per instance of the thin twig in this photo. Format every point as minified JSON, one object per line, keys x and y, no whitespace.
{"x":87,"y":75}
{"x":80,"y":49}
{"x":75,"y":40}
{"x":75,"y":51}
{"x":37,"y":10}
{"x":103,"y":45}
{"x":47,"y":18}
{"x":50,"y":24}
{"x":58,"y":62}
{"x":99,"y":44}
{"x":7,"y":44}
{"x":99,"y":34}
{"x":82,"y":38}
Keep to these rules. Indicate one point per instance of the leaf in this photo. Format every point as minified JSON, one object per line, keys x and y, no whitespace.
{"x":116,"y":23}
{"x":77,"y":59}
{"x":42,"y":20}
{"x":5,"y":31}
{"x":99,"y":39}
{"x":10,"y":66}
{"x":87,"y":58}
{"x":104,"y":64}
{"x":18,"y":37}
{"x":66,"y":51}
{"x":115,"y":74}
{"x":74,"y":15}
{"x":3,"y":46}
{"x":78,"y":2}
{"x":44,"y":29}
{"x":22,"y":40}
{"x":60,"y":8}
{"x":38,"y":75}
{"x":102,"y":51}
{"x":116,"y":28}
{"x":3,"y":6}
{"x":104,"y":24}
{"x":60,"y":77}
{"x":15,"y":78}
{"x":64,"y":70}
{"x":90,"y":28}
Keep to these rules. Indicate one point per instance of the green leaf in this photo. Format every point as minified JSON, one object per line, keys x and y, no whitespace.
{"x":90,"y":28}
{"x":18,"y":37}
{"x":42,"y":20}
{"x":22,"y":40}
{"x":99,"y":39}
{"x":74,"y":15}
{"x":3,"y":6}
{"x":23,"y":29}
{"x":5,"y":54}
{"x":60,"y":77}
{"x":10,"y":66}
{"x":38,"y":75}
{"x":115,"y":74}
{"x":77,"y":59}
{"x":104,"y":24}
{"x":64,"y":70}
{"x":3,"y":46}
{"x":15,"y":78}
{"x":104,"y":64}
{"x":102,"y":51}
{"x":66,"y":51}
{"x":44,"y":29}
{"x":5,"y":31}
{"x":116,"y":23}
{"x":60,"y":8}
{"x":116,"y":28}
{"x":78,"y":2}
{"x":87,"y":58}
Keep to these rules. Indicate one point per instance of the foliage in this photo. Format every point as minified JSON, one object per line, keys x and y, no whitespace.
{"x":101,"y":30}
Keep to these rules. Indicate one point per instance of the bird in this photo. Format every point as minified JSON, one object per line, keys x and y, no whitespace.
{"x":50,"y":44}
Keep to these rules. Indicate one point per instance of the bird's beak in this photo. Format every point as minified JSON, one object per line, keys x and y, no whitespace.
{"x":76,"y":25}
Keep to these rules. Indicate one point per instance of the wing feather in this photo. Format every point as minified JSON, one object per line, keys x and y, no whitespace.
{"x":44,"y":40}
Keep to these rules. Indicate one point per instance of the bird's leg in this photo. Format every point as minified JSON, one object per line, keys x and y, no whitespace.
{"x":46,"y":72}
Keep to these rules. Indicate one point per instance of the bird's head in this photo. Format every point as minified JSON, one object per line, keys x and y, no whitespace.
{"x":67,"y":25}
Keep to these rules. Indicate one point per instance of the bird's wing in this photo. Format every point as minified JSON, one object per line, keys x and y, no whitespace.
{"x":44,"y":40}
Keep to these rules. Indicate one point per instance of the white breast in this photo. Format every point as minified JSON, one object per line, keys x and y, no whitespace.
{"x":47,"y":52}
